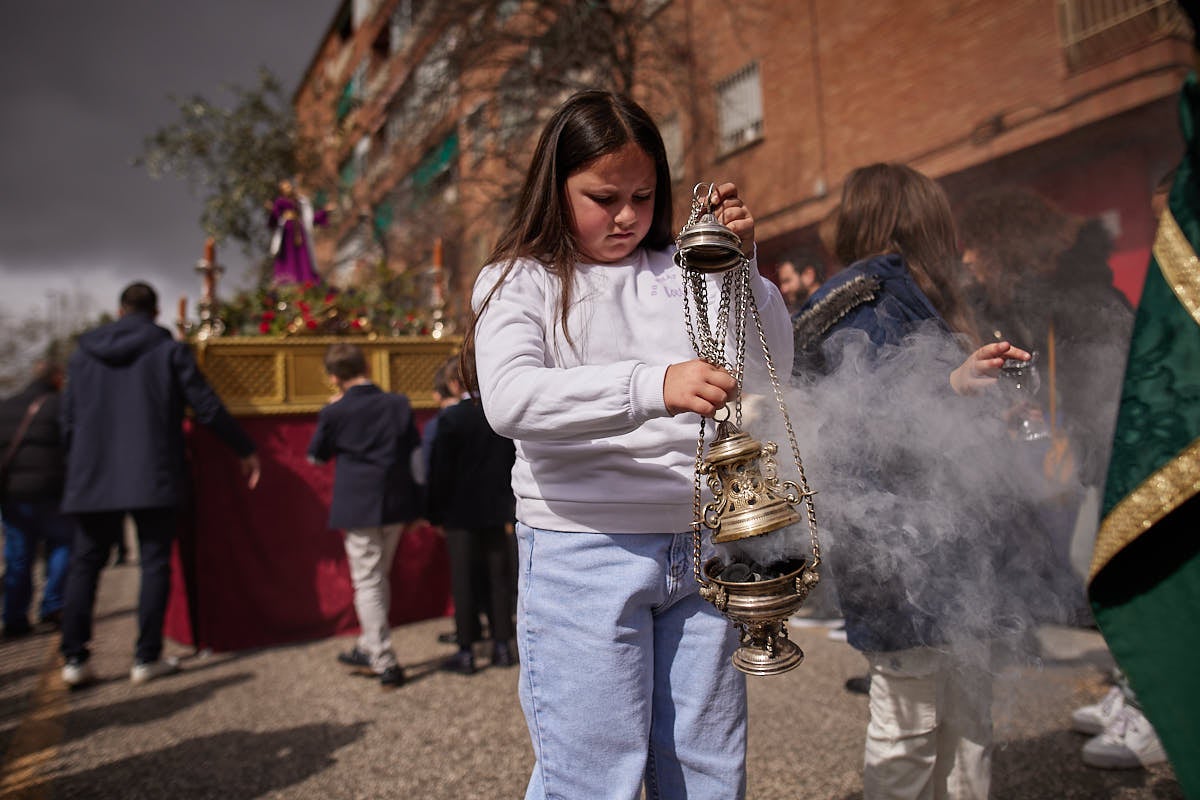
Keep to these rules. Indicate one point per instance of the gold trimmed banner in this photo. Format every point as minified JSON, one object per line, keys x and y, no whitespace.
{"x":1176,"y":481}
{"x":1157,"y":496}
{"x":1178,"y":263}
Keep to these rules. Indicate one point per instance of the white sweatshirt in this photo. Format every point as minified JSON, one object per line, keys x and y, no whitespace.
{"x":597,"y":450}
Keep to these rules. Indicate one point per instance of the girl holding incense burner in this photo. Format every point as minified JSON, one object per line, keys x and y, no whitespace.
{"x":584,"y":359}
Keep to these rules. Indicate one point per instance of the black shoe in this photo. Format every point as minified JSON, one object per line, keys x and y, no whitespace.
{"x":355,"y":658}
{"x":860,"y":684}
{"x":392,"y":676}
{"x":503,"y":656}
{"x":462,"y":662}
{"x":53,"y":620}
{"x":448,"y":638}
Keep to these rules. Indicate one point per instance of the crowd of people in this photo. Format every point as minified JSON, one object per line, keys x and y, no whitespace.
{"x":578,"y":383}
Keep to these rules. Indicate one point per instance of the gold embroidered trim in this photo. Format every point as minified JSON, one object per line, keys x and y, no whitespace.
{"x":1178,"y":263}
{"x":1177,"y":480}
{"x":1157,"y":496}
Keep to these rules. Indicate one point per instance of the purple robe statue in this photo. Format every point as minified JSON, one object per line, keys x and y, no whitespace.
{"x":291,"y":222}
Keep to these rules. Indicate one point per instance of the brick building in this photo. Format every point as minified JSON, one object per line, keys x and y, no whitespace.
{"x":1075,"y":98}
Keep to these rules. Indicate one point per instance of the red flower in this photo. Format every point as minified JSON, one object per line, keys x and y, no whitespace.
{"x":268,"y":315}
{"x":264,"y":328}
{"x":309,"y":284}
{"x":330,"y":297}
{"x":305,"y":307}
{"x":356,"y":324}
{"x":312,"y":324}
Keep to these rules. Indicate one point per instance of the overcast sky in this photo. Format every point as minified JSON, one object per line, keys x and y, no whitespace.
{"x":81,"y":84}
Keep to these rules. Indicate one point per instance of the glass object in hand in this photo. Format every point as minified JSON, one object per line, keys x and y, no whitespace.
{"x":1021,"y":381}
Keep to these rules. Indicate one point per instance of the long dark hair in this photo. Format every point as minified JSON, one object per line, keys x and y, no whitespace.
{"x":893,"y":208}
{"x":1017,"y":235}
{"x":590,"y":124}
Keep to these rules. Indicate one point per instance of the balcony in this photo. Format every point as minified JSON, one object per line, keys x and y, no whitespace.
{"x":1095,"y":31}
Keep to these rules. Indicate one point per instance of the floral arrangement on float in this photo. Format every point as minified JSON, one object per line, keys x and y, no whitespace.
{"x":317,"y":309}
{"x":262,"y":349}
{"x":389,"y":305}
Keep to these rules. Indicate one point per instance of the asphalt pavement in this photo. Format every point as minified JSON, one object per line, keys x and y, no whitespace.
{"x":290,"y":722}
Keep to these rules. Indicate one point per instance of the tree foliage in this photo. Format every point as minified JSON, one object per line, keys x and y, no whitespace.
{"x":548,"y":50}
{"x":234,"y":156}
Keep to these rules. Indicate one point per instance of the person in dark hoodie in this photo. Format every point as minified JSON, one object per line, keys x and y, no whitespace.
{"x":128,"y":383}
{"x":31,"y":484}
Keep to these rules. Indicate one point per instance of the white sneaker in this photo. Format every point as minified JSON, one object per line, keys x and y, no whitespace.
{"x":1128,"y":743}
{"x":143,"y":672}
{"x":77,"y":673}
{"x":1093,"y":719}
{"x":837,"y":634}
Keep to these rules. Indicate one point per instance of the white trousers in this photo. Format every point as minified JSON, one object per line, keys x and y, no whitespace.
{"x":369,"y":552}
{"x":930,"y":732}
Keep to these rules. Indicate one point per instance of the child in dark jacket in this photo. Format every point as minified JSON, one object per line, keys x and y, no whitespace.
{"x":373,"y":435}
{"x":471,"y":497}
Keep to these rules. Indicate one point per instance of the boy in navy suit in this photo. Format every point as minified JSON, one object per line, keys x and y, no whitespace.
{"x":373,"y":435}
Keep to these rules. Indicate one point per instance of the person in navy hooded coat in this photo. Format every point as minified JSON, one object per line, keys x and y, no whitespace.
{"x":128,"y":384}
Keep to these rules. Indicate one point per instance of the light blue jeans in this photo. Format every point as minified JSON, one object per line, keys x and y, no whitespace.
{"x":625,"y":671}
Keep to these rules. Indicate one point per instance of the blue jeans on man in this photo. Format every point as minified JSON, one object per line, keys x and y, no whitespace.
{"x":25,"y":526}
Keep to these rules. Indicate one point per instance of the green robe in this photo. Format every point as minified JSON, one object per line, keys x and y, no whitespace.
{"x":1145,"y":577}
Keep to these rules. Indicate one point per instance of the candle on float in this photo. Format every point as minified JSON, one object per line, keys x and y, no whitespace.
{"x":437,"y":252}
{"x":182,"y":307}
{"x":210,"y":249}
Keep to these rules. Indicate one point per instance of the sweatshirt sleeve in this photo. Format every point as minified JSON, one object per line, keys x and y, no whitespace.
{"x":776,"y":323}
{"x":527,"y":398}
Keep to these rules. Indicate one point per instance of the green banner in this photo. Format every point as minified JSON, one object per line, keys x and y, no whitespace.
{"x":1145,"y":576}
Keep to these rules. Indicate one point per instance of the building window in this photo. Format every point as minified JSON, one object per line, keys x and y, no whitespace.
{"x":344,"y":25}
{"x":436,"y":173}
{"x":1095,"y":31}
{"x":739,"y":109}
{"x":400,"y":24}
{"x":429,"y":92}
{"x":672,"y":136}
{"x":476,"y":129}
{"x":652,"y":7}
{"x":353,"y":92}
{"x":361,"y":9}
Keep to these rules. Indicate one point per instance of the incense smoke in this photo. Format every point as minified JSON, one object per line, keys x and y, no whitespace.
{"x":923,"y":491}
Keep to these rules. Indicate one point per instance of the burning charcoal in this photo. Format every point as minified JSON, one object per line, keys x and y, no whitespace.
{"x":736,"y":573}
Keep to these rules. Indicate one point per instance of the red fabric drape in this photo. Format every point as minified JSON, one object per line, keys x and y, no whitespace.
{"x":261,"y":568}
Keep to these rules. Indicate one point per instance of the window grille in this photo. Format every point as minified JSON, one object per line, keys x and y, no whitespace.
{"x":400,"y":24}
{"x":672,"y":136}
{"x":739,"y":109}
{"x":1094,"y":31}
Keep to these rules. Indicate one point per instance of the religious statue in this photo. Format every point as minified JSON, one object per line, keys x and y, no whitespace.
{"x":291,"y":221}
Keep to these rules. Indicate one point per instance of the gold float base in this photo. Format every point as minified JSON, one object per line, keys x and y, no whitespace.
{"x":257,"y":375}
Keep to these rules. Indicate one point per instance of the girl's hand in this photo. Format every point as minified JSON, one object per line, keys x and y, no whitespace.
{"x":731,"y":212}
{"x":980,"y":369}
{"x":698,"y":386}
